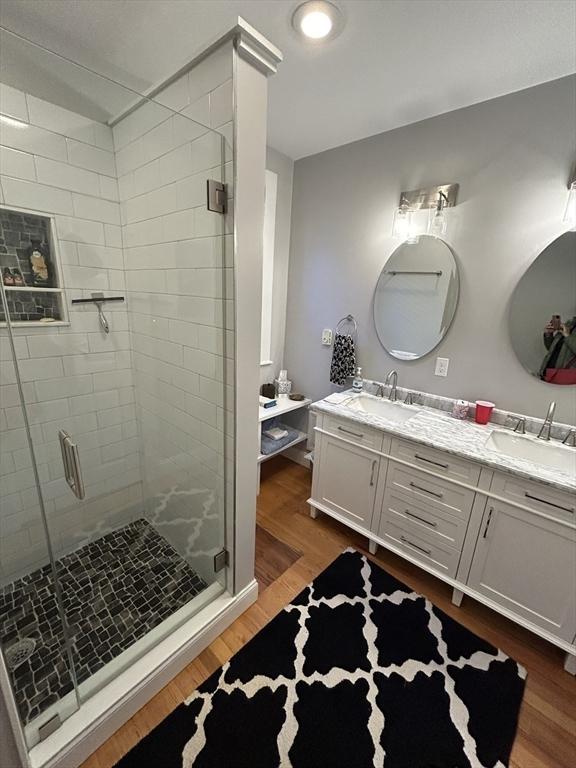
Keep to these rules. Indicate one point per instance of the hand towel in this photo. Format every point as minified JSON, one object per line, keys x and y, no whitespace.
{"x":343,"y":359}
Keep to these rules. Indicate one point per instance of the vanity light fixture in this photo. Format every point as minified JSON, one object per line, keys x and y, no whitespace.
{"x":433,"y":199}
{"x":570,"y":211}
{"x":402,"y":226}
{"x":317,"y":20}
{"x":437,"y":218}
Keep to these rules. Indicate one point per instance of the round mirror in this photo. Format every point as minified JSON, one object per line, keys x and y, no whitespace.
{"x":543,"y":313}
{"x":416,"y":297}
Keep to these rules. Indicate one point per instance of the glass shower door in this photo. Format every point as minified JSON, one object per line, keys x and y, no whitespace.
{"x":122,"y":336}
{"x":34,"y":637}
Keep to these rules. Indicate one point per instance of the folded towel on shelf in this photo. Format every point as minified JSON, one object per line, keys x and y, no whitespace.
{"x":268,"y":445}
{"x":275,"y":433}
{"x":343,"y":359}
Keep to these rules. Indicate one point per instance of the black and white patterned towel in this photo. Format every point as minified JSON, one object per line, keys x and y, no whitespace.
{"x":343,"y":359}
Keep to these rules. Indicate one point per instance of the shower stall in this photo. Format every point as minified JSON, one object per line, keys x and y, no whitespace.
{"x":118,"y":383}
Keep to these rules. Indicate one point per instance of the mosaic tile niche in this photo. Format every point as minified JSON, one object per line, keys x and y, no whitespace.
{"x":19,"y":232}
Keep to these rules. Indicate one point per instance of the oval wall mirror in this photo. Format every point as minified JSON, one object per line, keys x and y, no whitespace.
{"x":416,"y":297}
{"x":543,"y":313}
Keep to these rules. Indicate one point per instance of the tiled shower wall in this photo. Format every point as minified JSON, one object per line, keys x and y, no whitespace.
{"x":175,"y":332}
{"x":178,"y":260}
{"x":58,"y":163}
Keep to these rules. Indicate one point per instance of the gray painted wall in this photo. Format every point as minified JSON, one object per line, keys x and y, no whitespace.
{"x":512,"y":157}
{"x":284,"y":167}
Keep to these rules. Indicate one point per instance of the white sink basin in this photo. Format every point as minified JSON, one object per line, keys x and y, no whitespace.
{"x":376,"y":406}
{"x":530,"y":448}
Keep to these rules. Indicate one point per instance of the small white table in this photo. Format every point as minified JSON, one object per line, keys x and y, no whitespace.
{"x":284,"y":405}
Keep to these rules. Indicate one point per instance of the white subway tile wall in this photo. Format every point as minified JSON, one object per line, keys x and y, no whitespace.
{"x":75,"y":378}
{"x":178,"y":267}
{"x":149,"y":404}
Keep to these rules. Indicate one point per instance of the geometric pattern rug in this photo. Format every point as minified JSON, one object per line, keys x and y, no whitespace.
{"x":358,"y":671}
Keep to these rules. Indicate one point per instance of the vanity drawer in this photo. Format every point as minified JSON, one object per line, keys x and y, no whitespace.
{"x":418,"y":518}
{"x":558,"y":504}
{"x":436,"y":461}
{"x":423,"y":547}
{"x":432,"y":492}
{"x":354,"y":432}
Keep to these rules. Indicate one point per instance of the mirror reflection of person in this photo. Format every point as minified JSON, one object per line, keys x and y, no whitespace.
{"x":560,"y":342}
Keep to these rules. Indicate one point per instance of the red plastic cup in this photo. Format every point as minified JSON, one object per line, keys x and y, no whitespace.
{"x":483,"y":411}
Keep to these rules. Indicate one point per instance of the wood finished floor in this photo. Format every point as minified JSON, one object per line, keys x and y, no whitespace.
{"x":547,"y":730}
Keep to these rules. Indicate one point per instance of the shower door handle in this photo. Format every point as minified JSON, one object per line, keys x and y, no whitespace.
{"x":71,"y":462}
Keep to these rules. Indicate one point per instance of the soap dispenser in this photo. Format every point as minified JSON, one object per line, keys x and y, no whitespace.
{"x":358,"y":382}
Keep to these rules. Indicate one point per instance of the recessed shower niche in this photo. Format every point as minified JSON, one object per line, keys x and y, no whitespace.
{"x":29,"y":269}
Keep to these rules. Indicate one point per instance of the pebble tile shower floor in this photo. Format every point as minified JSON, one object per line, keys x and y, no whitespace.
{"x":115,"y":590}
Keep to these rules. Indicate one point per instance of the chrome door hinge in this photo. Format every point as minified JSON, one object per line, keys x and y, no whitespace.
{"x":221,"y":560}
{"x":216,"y":196}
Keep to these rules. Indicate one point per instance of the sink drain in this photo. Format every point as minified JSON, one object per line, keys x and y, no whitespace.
{"x":19,"y":652}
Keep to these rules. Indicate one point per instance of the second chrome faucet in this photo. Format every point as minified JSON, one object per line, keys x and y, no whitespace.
{"x":392,"y":382}
{"x":546,"y":427}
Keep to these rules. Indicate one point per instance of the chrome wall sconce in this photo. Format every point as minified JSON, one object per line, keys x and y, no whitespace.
{"x":433,"y":199}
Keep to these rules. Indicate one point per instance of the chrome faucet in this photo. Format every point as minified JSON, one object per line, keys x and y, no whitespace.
{"x":393,"y":395}
{"x":520,"y":426}
{"x":544,"y":433}
{"x":570,"y":438}
{"x":379,"y":390}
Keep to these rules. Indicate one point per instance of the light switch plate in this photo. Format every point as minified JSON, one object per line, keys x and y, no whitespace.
{"x":442,"y":364}
{"x":327,"y":337}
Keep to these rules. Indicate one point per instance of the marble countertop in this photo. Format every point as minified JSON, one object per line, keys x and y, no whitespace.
{"x":465,"y":439}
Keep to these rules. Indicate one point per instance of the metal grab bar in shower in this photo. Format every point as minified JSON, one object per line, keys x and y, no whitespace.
{"x":71,"y":462}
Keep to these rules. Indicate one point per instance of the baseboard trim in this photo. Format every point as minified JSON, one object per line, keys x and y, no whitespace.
{"x":96,"y":720}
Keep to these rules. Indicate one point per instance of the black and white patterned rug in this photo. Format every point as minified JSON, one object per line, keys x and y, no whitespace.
{"x":358,"y":671}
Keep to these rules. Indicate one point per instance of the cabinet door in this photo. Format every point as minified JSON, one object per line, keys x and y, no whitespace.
{"x":347,"y":480}
{"x":527,"y":564}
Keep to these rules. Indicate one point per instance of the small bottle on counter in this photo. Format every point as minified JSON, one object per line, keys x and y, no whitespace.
{"x":358,"y":382}
{"x":460,"y":409}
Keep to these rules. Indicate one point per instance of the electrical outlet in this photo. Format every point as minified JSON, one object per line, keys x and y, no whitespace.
{"x":442,"y":364}
{"x":327,"y":337}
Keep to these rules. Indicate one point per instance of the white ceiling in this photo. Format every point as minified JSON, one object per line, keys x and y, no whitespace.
{"x":396,"y":61}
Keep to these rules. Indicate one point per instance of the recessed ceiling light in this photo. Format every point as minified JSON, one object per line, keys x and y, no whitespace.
{"x":317,"y":20}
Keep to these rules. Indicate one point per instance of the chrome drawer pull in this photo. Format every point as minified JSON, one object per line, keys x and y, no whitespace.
{"x":349,"y":432}
{"x":488,"y":523}
{"x":407,"y":541}
{"x":422,"y":519}
{"x":550,"y":503}
{"x":372,"y":473}
{"x":432,"y":493}
{"x":430,"y":461}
